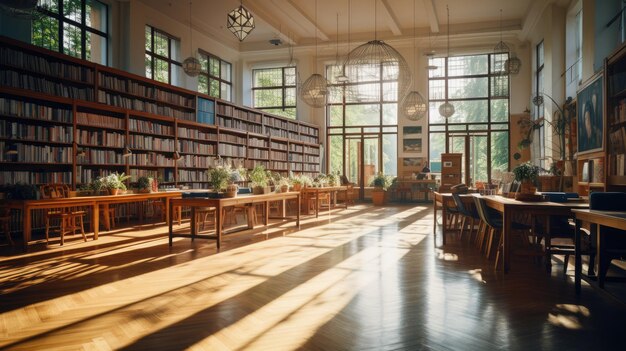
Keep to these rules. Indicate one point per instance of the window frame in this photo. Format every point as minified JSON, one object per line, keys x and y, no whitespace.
{"x":170,"y":61}
{"x":539,"y":83}
{"x":83,"y":27}
{"x":283,"y":87}
{"x":210,"y":77}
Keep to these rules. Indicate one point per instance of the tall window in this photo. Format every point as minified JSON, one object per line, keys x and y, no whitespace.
{"x":362,"y":123}
{"x":479,"y":127}
{"x":274,"y":90}
{"x":539,"y":137}
{"x":162,"y":51}
{"x":216,"y":76}
{"x":74,"y":27}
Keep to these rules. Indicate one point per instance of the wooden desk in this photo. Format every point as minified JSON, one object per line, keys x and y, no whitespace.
{"x":309,"y":192}
{"x":613,"y":219}
{"x":419,"y":185}
{"x":219,"y":204}
{"x":26,"y":206}
{"x":508,"y":206}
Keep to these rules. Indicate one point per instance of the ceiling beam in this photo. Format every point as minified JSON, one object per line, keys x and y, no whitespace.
{"x":432,"y":16}
{"x":392,"y":22}
{"x":264,"y":14}
{"x":295,"y":15}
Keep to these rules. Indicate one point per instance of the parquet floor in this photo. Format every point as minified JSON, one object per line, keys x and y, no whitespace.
{"x":366,"y":278}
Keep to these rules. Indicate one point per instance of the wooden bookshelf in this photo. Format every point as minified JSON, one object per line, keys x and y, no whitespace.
{"x":615,"y":66}
{"x":71,"y":120}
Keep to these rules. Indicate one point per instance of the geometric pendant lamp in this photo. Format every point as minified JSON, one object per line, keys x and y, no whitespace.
{"x":240,"y":22}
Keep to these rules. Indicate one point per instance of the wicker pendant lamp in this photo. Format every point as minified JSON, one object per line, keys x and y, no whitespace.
{"x":314,"y":90}
{"x":413,"y":106}
{"x":447,"y":109}
{"x":191,"y":65}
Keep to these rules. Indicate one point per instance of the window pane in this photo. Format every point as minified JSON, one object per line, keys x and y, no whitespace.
{"x":175,"y":49}
{"x":50,"y":5}
{"x":203,"y":84}
{"x":467,"y":65}
{"x":214,"y":87}
{"x":161,"y":72}
{"x":176,"y":74}
{"x":336,"y":154}
{"x":500,"y":86}
{"x":148,"y":39}
{"x":161,"y":44}
{"x":390,"y":114}
{"x":433,"y":113}
{"x":148,"y":63}
{"x":357,"y":115}
{"x":436,"y":67}
{"x":204,"y":63}
{"x":225,"y":91}
{"x":467,"y":88}
{"x":437,"y":89}
{"x":45,"y":33}
{"x":290,"y":76}
{"x":390,"y":71}
{"x":390,"y":154}
{"x":436,"y":146}
{"x":72,"y":9}
{"x":390,"y":91}
{"x":214,"y":67}
{"x":500,"y":151}
{"x":336,"y":115}
{"x":290,"y":96}
{"x":96,"y":17}
{"x":96,"y":48}
{"x":498,"y":61}
{"x":268,"y":98}
{"x":267,"y":78}
{"x":469,"y":111}
{"x":226,"y":74}
{"x":367,"y":92}
{"x":72,"y":40}
{"x":500,"y":110}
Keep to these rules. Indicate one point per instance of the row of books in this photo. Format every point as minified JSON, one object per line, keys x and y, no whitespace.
{"x":255,"y":142}
{"x":162,"y":174}
{"x":295,"y":157}
{"x":593,"y":171}
{"x":619,"y":112}
{"x":15,"y":130}
{"x":101,"y":157}
{"x":281,"y":133}
{"x":617,"y":138}
{"x":270,"y":121}
{"x":145,"y":106}
{"x":238,"y":124}
{"x":150,"y":159}
{"x":194,"y":147}
{"x":36,"y":153}
{"x":258,"y":153}
{"x":149,"y":127}
{"x":234,"y":139}
{"x":196,"y":161}
{"x":44,"y":85}
{"x":310,"y":167}
{"x":196,"y":134}
{"x":311,"y":158}
{"x":150,"y":91}
{"x":296,"y":167}
{"x":308,"y":139}
{"x":311,"y":150}
{"x":278,"y":155}
{"x":145,"y":142}
{"x":44,"y":65}
{"x":278,"y":146}
{"x":228,"y":110}
{"x":98,"y":120}
{"x":230,"y":150}
{"x":309,"y":131}
{"x":295,"y":148}
{"x":101,"y":137}
{"x":278,"y":165}
{"x":32,"y":177}
{"x":19,"y":108}
{"x":89,"y":174}
{"x":192,"y":176}
{"x":618,"y":164}
{"x":250,"y":164}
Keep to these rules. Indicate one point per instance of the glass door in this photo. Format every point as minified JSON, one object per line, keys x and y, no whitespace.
{"x":362,"y":160}
{"x":474,"y":165}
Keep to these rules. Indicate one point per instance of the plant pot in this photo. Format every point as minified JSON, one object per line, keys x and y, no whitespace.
{"x":297,"y":187}
{"x":527,"y":187}
{"x":144,"y":191}
{"x":231,"y":190}
{"x":115,"y":191}
{"x":72,"y":193}
{"x":260,"y":190}
{"x":284,"y":188}
{"x":379,"y":197}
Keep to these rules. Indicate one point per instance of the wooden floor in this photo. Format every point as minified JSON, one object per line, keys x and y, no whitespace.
{"x":366,"y":278}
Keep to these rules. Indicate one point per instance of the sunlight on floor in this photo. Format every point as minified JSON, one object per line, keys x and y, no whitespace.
{"x":569,"y":316}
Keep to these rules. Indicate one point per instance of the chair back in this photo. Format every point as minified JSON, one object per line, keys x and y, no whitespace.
{"x":607,"y":201}
{"x":459,"y":204}
{"x":483,"y":212}
{"x":54,"y":191}
{"x":515,"y":186}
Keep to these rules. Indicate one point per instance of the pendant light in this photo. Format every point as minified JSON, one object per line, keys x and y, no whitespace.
{"x":240,"y":21}
{"x":191,"y":65}
{"x":431,"y":53}
{"x":315,"y":89}
{"x":413,"y":106}
{"x":447,"y":109}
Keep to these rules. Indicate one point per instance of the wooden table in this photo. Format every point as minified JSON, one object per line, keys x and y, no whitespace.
{"x":220,"y":203}
{"x":26,"y":206}
{"x":419,"y":185}
{"x":439,"y":200}
{"x":613,"y":219}
{"x":311,"y":192}
{"x":507,"y":207}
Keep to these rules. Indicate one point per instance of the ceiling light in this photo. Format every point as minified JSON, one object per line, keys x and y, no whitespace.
{"x":413,"y":105}
{"x":315,"y":89}
{"x":191,"y":65}
{"x":240,"y":22}
{"x":447,"y":109}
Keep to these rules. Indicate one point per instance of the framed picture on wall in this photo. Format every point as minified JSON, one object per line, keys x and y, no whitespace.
{"x":590,"y":116}
{"x":411,"y":130}
{"x":412,"y":145}
{"x":415,"y":162}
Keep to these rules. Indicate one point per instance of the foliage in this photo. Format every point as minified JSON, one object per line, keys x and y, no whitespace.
{"x":219,"y":177}
{"x":284,"y":181}
{"x":526,"y":172}
{"x":259,"y":176}
{"x":20,"y":191}
{"x":144,"y":182}
{"x":381,"y":181}
{"x":334,"y":179}
{"x":112,"y":181}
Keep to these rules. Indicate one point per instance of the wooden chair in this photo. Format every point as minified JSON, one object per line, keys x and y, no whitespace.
{"x":5,"y":223}
{"x":70,"y":219}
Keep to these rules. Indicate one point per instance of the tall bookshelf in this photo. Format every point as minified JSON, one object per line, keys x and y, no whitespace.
{"x":616,"y":120}
{"x":69,"y":120}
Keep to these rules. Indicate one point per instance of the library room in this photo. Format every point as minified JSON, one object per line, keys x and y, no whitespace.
{"x":312,"y":174}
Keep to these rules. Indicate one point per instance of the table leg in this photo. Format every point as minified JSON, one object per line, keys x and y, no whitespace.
{"x":284,"y":208}
{"x":444,"y":222}
{"x":577,"y":259}
{"x":266,"y":217}
{"x":317,"y":205}
{"x":27,"y":226}
{"x":506,"y":239}
{"x":95,"y":220}
{"x":250,"y":209}
{"x":170,"y":225}
{"x":193,"y":223}
{"x":107,"y":217}
{"x":599,"y":254}
{"x":218,"y":225}
{"x":168,"y":219}
{"x":298,"y":213}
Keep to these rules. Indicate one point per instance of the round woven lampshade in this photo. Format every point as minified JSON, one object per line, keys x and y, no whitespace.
{"x":363,"y":64}
{"x":446,"y":109}
{"x":413,"y":106}
{"x":314,"y":91}
{"x":192,"y":66}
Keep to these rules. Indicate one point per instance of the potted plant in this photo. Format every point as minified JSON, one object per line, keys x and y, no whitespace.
{"x":380,"y":183}
{"x":113,"y":183}
{"x":283,"y":185}
{"x":259,"y":179}
{"x":144,"y":184}
{"x":219,"y":177}
{"x":334,"y":179}
{"x":527,"y":174}
{"x":296,"y":183}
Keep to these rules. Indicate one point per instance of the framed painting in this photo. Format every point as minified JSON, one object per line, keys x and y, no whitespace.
{"x":412,"y":145}
{"x":411,"y":130}
{"x":590,"y":116}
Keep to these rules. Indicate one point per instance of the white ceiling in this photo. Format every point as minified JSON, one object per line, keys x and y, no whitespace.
{"x":392,"y":20}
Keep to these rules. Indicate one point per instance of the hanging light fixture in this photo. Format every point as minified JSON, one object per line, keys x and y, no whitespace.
{"x":191,"y":65}
{"x":413,"y":106}
{"x":431,"y":53}
{"x":22,"y":9}
{"x":447,"y":109}
{"x":501,"y":53}
{"x":240,"y":21}
{"x":340,"y":89}
{"x":315,"y":89}
{"x":513,"y":64}
{"x":364,"y":62}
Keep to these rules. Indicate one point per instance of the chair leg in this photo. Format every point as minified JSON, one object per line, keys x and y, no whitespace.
{"x":500,"y":247}
{"x":490,"y":241}
{"x":82,"y":228}
{"x":47,"y":230}
{"x":565,"y":263}
{"x":7,"y":230}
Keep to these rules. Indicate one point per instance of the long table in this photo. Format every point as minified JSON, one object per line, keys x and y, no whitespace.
{"x":309,"y":193}
{"x":220,"y":203}
{"x":26,"y":206}
{"x":440,"y":200}
{"x":507,"y":207}
{"x":613,"y":219}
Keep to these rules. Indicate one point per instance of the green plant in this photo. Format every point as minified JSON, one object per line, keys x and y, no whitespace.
{"x":219,"y":177}
{"x":259,"y":176}
{"x":144,"y":183}
{"x":112,"y":181}
{"x":526,"y":172}
{"x":381,"y":181}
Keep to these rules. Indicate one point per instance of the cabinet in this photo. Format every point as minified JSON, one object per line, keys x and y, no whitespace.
{"x":616,"y":120}
{"x":66,"y":120}
{"x":450,"y":171}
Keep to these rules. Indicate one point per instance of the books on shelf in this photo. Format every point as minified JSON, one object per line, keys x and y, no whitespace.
{"x":48,"y":86}
{"x":230,"y":150}
{"x":101,"y":157}
{"x":140,"y":89}
{"x":150,"y":127}
{"x":18,"y":108}
{"x":278,"y":146}
{"x":11,"y":57}
{"x":146,"y":142}
{"x":33,"y":177}
{"x":189,"y":146}
{"x":99,"y":120}
{"x":143,"y":106}
{"x":28,"y":153}
{"x":164,"y":175}
{"x":196,"y":134}
{"x":150,"y":159}
{"x":101,"y":137}
{"x":21,"y":130}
